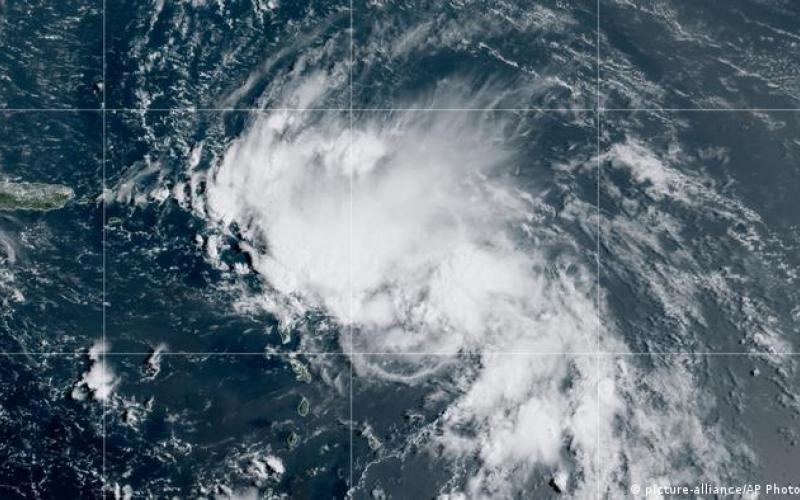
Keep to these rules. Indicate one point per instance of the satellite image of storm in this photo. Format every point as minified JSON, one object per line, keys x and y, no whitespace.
{"x":399,"y":249}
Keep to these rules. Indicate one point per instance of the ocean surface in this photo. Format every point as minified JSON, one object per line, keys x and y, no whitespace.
{"x":400,"y":249}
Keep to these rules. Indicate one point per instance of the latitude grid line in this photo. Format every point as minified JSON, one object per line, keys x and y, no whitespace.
{"x":289,"y":354}
{"x":598,"y":111}
{"x":386,"y":110}
{"x":267,"y":354}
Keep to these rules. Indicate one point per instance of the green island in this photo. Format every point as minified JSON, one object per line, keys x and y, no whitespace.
{"x":33,"y":196}
{"x":303,"y":407}
{"x":292,"y":440}
{"x":301,"y":372}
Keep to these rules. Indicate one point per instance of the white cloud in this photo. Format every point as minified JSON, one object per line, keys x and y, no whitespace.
{"x":428,"y":260}
{"x":99,"y":381}
{"x":411,"y":237}
{"x":431,"y":263}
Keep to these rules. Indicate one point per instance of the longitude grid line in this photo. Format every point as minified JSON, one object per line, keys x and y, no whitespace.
{"x":103,"y":479}
{"x":598,"y":116}
{"x":350,"y":245}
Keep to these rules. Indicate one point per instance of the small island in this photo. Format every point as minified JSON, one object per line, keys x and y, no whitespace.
{"x":33,"y":196}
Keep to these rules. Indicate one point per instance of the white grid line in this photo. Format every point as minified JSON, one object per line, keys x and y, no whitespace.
{"x":104,"y":478}
{"x":351,"y":485}
{"x":700,"y":110}
{"x":388,"y":110}
{"x":602,"y":354}
{"x":598,"y":116}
